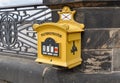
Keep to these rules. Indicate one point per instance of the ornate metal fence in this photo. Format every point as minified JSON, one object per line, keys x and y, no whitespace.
{"x":16,"y":33}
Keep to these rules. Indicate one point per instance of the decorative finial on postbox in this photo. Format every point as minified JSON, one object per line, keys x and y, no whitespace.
{"x":66,"y":14}
{"x":66,"y":9}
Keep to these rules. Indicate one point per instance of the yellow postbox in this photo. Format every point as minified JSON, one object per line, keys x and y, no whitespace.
{"x":60,"y":43}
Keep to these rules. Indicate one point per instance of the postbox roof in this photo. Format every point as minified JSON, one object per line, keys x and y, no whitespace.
{"x":38,"y":27}
{"x":67,"y":26}
{"x":72,"y":26}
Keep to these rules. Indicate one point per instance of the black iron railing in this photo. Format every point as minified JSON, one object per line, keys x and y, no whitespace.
{"x":16,"y":33}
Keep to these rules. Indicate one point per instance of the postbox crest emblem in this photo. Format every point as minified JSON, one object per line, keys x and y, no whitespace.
{"x":66,"y":14}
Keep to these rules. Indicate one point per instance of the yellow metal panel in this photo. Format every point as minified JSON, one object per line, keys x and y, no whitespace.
{"x":74,"y":53}
{"x":74,"y":36}
{"x":60,"y":37}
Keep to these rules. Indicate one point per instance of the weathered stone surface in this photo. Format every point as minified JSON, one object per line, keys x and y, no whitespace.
{"x":95,"y":39}
{"x":96,"y":61}
{"x":101,"y":39}
{"x":58,"y":4}
{"x":71,"y":1}
{"x":100,"y":17}
{"x":116,"y":59}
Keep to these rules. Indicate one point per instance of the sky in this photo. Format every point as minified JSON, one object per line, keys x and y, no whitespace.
{"x":8,"y":3}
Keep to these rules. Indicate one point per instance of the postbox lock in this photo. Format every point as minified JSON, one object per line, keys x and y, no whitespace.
{"x":50,"y":47}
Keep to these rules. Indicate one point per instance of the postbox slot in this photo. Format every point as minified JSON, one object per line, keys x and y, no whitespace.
{"x":50,"y":47}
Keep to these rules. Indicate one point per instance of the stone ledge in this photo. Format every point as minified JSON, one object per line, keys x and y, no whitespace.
{"x":2,"y":81}
{"x":20,"y":70}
